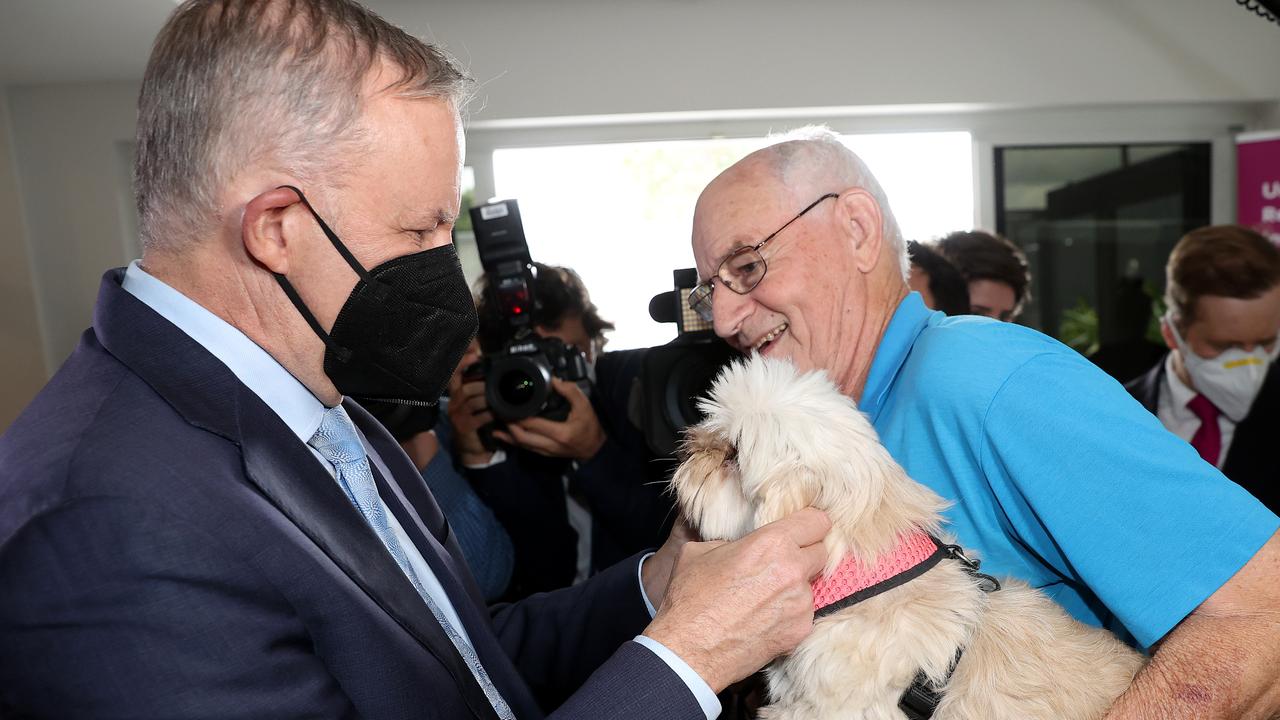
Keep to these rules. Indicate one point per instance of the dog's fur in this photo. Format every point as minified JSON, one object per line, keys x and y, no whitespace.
{"x":773,"y":442}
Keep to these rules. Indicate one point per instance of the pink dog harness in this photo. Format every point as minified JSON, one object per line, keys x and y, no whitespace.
{"x":852,"y":581}
{"x":916,"y":553}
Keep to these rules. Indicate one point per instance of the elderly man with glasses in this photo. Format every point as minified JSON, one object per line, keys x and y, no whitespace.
{"x":1056,"y":476}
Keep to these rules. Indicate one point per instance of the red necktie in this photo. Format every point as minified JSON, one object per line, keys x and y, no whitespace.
{"x":1208,"y":439}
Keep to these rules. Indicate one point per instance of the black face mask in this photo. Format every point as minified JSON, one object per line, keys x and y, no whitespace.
{"x":404,"y":422}
{"x":402,"y":331}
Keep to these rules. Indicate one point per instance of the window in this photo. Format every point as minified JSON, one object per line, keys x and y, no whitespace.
{"x":1097,"y":223}
{"x":582,"y":205}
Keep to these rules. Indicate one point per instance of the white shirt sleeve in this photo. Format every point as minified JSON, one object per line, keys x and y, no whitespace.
{"x":699,"y":687}
{"x":701,"y":690}
{"x":498,"y":456}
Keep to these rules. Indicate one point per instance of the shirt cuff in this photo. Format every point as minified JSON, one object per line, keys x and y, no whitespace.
{"x":498,"y":456}
{"x":699,"y":687}
{"x":644,"y":595}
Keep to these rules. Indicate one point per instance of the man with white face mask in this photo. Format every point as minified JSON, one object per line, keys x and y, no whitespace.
{"x":1218,"y":388}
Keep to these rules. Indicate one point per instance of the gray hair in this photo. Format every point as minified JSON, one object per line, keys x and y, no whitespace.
{"x":815,"y":152}
{"x":232,"y":82}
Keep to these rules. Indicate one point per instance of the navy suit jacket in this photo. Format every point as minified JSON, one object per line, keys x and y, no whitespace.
{"x":169,"y":549}
{"x":1252,"y":461}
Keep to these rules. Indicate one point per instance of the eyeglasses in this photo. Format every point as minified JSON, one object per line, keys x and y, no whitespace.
{"x":743,"y":270}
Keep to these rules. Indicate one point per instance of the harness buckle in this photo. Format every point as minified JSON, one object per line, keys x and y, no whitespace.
{"x":971,"y":565}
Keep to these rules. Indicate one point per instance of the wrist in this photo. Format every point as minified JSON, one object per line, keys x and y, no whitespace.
{"x":679,"y":644}
{"x":475,"y":459}
{"x":655,"y":575}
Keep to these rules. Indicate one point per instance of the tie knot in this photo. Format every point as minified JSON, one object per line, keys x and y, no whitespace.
{"x":336,"y":439}
{"x":1203,"y":409}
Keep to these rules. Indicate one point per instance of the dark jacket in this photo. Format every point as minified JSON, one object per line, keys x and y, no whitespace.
{"x":1253,"y":460}
{"x":169,"y":549}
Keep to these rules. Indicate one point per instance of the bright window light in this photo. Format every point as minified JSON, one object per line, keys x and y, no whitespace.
{"x":622,"y":214}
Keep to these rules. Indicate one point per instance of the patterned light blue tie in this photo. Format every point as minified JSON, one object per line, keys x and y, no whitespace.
{"x":337,"y":442}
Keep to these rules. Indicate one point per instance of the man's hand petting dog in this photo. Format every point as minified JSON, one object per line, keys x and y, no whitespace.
{"x":733,"y":607}
{"x":578,"y":437}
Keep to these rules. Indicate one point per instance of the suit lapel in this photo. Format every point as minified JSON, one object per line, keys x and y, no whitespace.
{"x":296,"y":483}
{"x":406,"y":494}
{"x":209,"y":396}
{"x":1150,"y":387}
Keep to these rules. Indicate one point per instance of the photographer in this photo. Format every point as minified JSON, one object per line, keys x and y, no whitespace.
{"x":575,"y":494}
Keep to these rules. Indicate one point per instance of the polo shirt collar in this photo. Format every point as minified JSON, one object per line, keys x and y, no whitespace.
{"x":906,"y":325}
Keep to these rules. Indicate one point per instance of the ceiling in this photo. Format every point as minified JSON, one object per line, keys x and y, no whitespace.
{"x":1011,"y":50}
{"x":49,"y":41}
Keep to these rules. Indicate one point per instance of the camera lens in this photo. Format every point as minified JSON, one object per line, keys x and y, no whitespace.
{"x":673,"y":378}
{"x":516,"y":387}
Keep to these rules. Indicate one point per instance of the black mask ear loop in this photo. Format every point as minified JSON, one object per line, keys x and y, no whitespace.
{"x":342,"y":354}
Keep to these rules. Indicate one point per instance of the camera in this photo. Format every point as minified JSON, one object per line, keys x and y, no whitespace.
{"x":673,"y":377}
{"x":518,"y":376}
{"x":518,"y":379}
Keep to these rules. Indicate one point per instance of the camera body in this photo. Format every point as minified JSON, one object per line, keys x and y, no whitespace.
{"x":518,"y":376}
{"x":675,"y":376}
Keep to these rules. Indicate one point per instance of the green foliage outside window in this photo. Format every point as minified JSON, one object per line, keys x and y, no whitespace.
{"x":1079,"y":328}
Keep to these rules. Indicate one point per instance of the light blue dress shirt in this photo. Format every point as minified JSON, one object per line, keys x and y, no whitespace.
{"x":302,"y":411}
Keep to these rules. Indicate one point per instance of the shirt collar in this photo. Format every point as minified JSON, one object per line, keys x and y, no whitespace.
{"x":252,"y":365}
{"x":905,"y":326}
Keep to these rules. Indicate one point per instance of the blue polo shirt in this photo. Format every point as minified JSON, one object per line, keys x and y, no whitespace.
{"x":1056,"y":474}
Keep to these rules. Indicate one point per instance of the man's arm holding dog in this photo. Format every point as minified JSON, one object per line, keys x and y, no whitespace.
{"x":1222,"y":660}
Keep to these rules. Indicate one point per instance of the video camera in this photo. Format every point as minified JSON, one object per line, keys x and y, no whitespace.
{"x":673,"y":377}
{"x":518,"y":377}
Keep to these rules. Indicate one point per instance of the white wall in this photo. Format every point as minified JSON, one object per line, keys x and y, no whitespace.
{"x":22,"y":358}
{"x":582,"y":57}
{"x":1270,"y":119}
{"x":67,"y":142}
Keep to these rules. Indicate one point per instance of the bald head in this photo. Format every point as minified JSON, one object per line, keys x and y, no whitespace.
{"x":806,"y":163}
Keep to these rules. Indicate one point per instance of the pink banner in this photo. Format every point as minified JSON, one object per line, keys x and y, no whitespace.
{"x":1258,"y":189}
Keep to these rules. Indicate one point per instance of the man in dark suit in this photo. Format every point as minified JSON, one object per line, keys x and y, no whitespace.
{"x":1219,"y":387}
{"x":196,"y":521}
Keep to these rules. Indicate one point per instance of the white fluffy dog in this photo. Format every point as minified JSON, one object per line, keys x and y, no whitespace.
{"x":773,"y":442}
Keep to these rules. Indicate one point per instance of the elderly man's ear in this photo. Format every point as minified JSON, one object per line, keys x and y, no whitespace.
{"x":270,"y":222}
{"x":858,"y":213}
